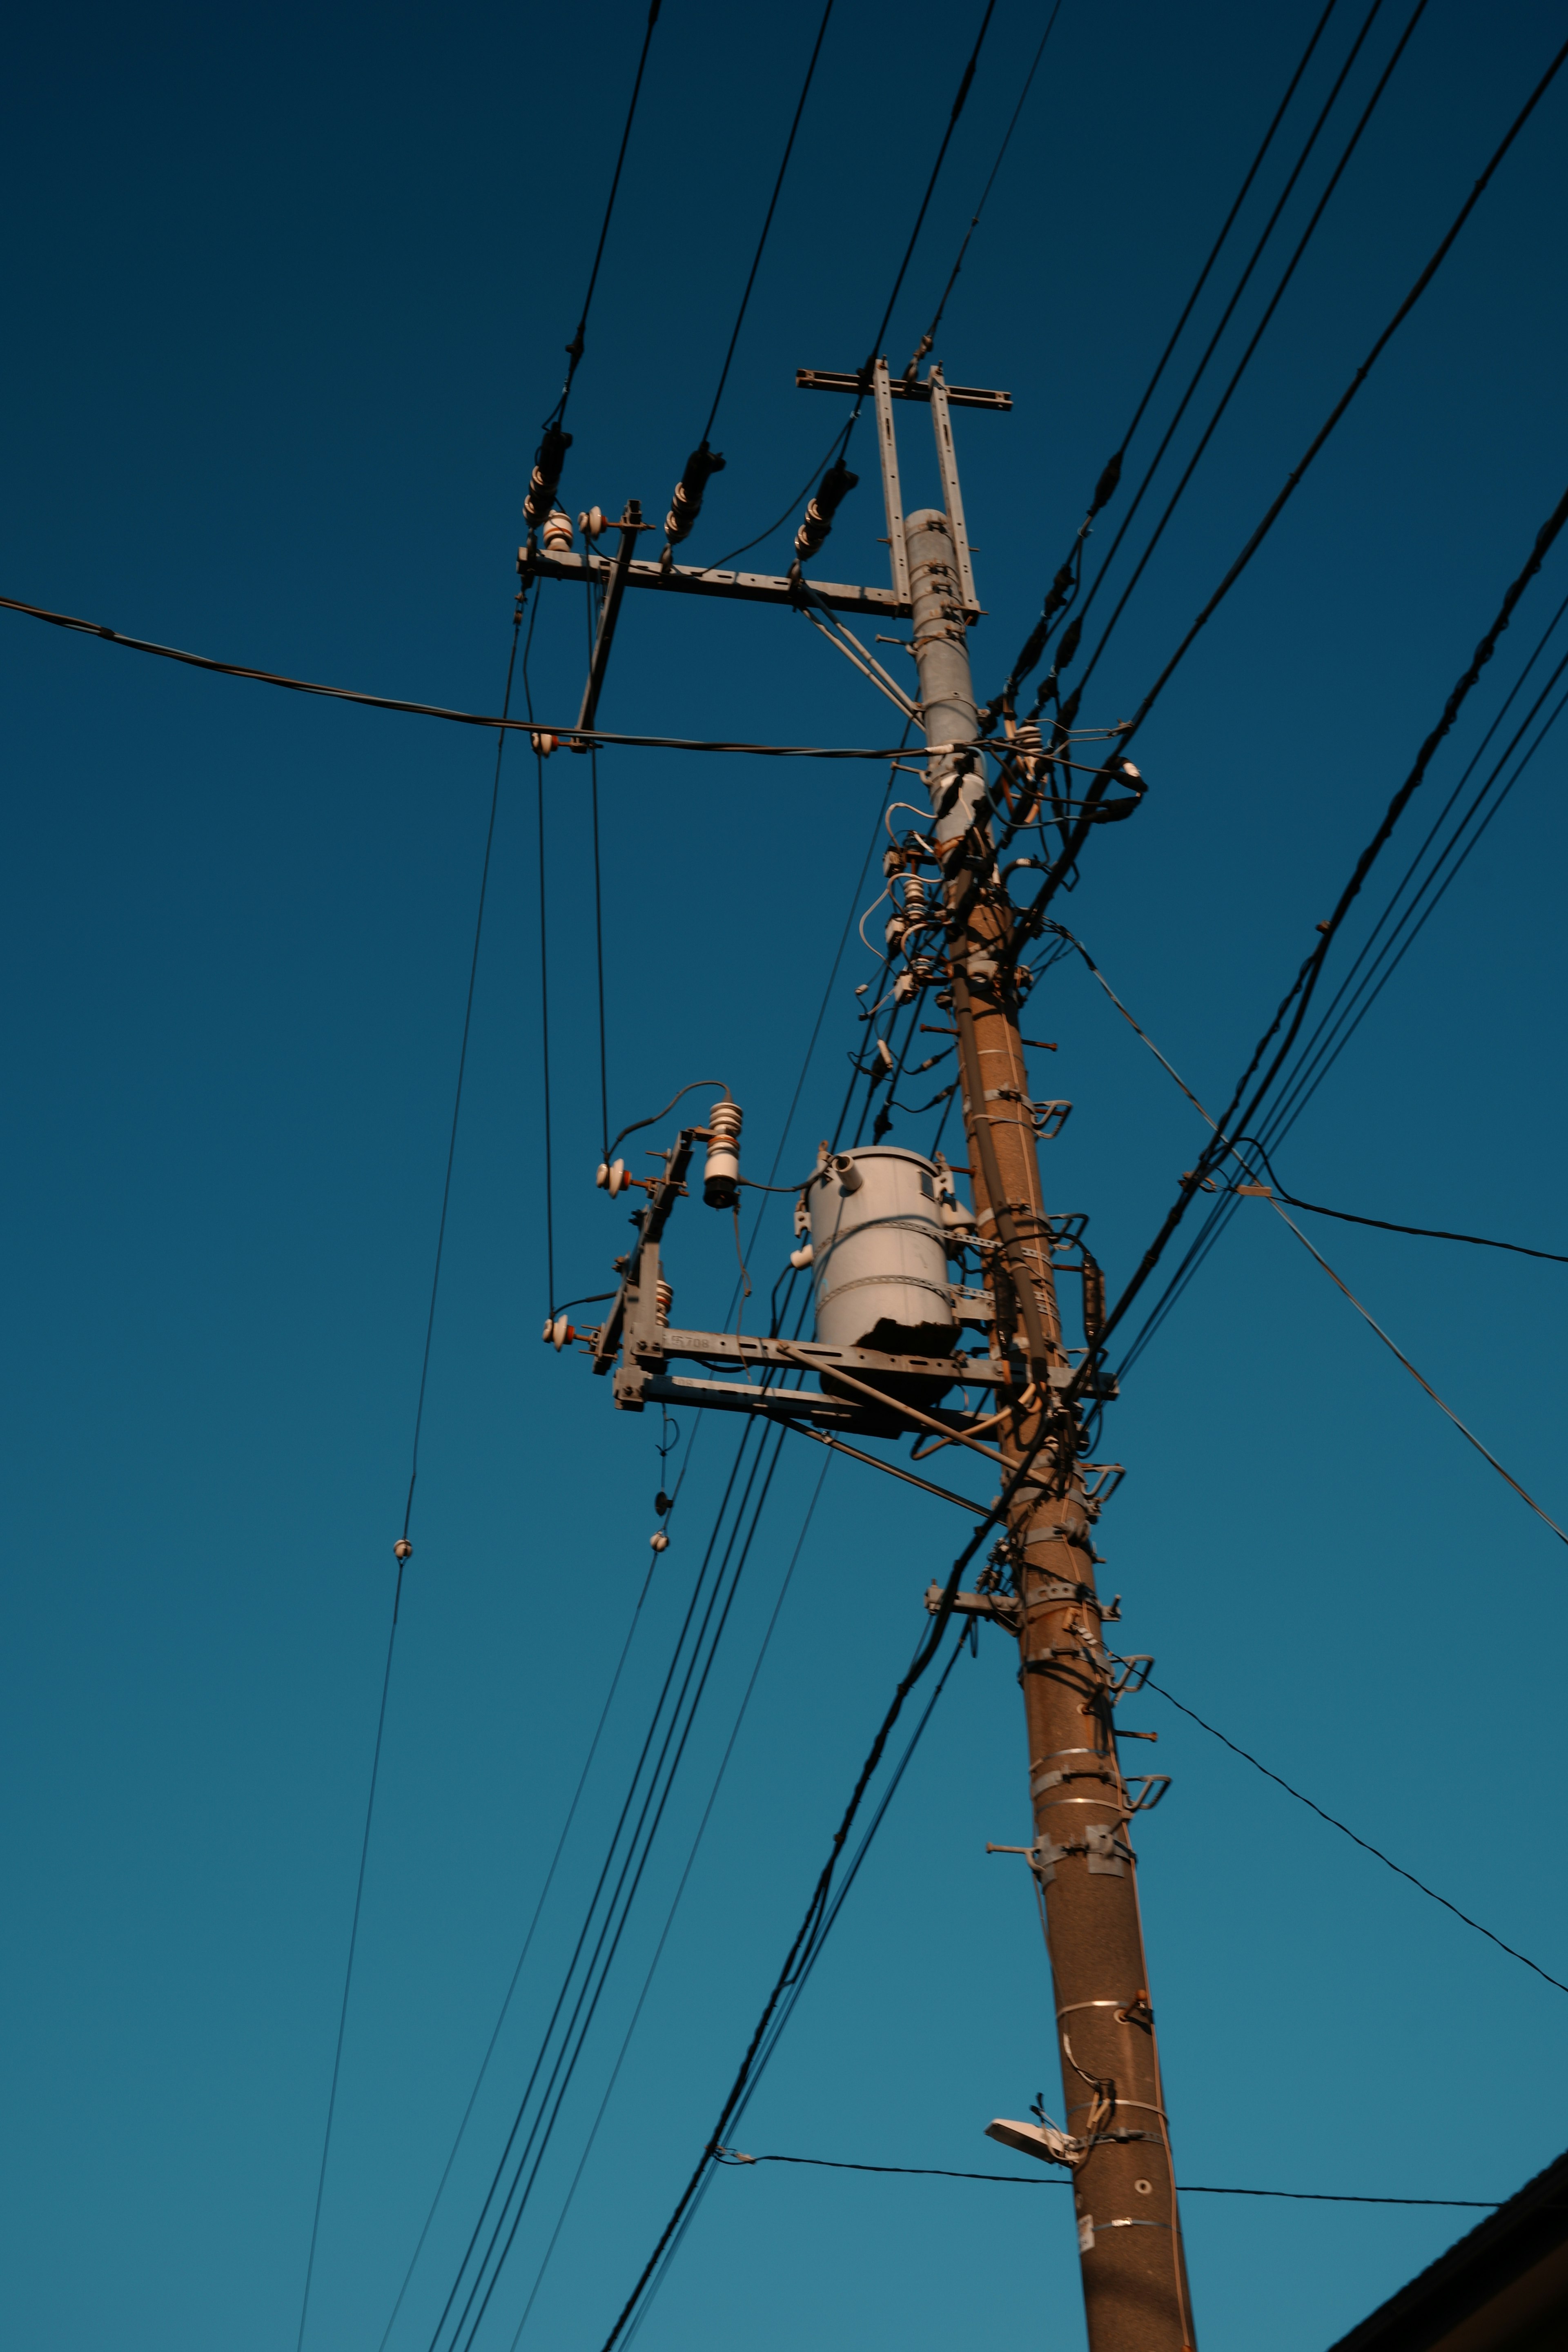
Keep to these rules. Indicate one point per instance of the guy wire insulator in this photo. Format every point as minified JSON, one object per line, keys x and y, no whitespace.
{"x":685,"y":501}
{"x":547,"y":465}
{"x":835,"y":488}
{"x":722,"y":1169}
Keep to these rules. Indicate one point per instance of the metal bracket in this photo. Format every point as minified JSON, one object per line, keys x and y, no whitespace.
{"x":693,"y":580}
{"x":952,"y":497}
{"x":960,"y":395}
{"x":893,"y":499}
{"x":631,"y":528}
{"x":1100,"y":1480}
{"x":1154,"y":1786}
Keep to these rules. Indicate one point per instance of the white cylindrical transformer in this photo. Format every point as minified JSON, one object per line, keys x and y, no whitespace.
{"x":878,"y":1253}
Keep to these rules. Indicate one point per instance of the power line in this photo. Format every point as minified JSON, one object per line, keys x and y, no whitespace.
{"x":1237,"y":1117}
{"x":561,"y":734}
{"x":1383,"y":1225}
{"x":1376,"y":1851}
{"x":628,"y":1802}
{"x":819,"y":1904}
{"x":1294,"y":479}
{"x":717,"y":1783}
{"x":1236,"y":1148}
{"x":1259,"y":331}
{"x":929,"y":338}
{"x":767,"y":222}
{"x":1110,"y":473}
{"x":353,"y":1947}
{"x":574,"y":348}
{"x":404,"y":1549}
{"x":527,"y":1946}
{"x":964,"y":81}
{"x":1049,"y":2180}
{"x":1076,"y":838}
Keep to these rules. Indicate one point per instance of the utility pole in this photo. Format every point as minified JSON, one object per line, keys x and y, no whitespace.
{"x":1134,"y":2277}
{"x":1117,"y":2139}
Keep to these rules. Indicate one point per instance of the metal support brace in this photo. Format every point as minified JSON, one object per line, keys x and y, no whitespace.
{"x":892,"y":498}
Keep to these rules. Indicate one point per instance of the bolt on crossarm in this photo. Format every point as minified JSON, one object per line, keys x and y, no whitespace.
{"x":1135,"y":2278}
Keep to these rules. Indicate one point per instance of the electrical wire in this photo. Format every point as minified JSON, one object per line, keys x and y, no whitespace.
{"x":717,"y":1785}
{"x":1376,"y":1851}
{"x":1383,"y":1225}
{"x":1294,"y":479}
{"x":768,"y":221}
{"x":540,"y":728}
{"x":1049,"y":2180}
{"x":403,"y":1548}
{"x":353,"y":1947}
{"x":820,"y":1904}
{"x":574,"y":348}
{"x":1319,"y":1058}
{"x":643,"y":1782}
{"x":519,"y":2191}
{"x":929,"y":338}
{"x":1236,"y":1148}
{"x":1259,"y":331}
{"x":1034,"y":644}
{"x":964,"y":88}
{"x":527,"y":1946}
{"x":766,"y":2041}
{"x":1241,"y":1111}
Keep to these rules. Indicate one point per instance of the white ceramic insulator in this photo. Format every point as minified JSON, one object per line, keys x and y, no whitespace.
{"x":722,"y":1168}
{"x":663,"y":1299}
{"x":557,"y":531}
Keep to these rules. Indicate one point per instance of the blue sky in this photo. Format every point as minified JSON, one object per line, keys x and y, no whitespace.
{"x":287,"y":298}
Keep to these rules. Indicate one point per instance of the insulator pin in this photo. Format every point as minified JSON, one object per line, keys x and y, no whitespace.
{"x":722,"y":1169}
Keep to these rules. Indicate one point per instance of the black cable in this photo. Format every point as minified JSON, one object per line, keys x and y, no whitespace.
{"x":1376,"y":1851}
{"x":660,"y":2263}
{"x":1282,"y":1116}
{"x":353,"y":1946}
{"x":1259,"y":331}
{"x":1242,"y":1109}
{"x":628,"y":1804}
{"x":717,"y":1784}
{"x":1294,"y":479}
{"x":543,"y":977}
{"x":575,"y":347}
{"x":1332,"y":1034}
{"x":1422,"y":1233}
{"x":1062,"y":2180}
{"x":598,"y":909}
{"x":581,"y":2025}
{"x":527,"y":1946}
{"x":929,"y":338}
{"x":1035,"y":642}
{"x":924,"y":1654}
{"x":540,"y":728}
{"x":457,"y":1094}
{"x":963,"y":85}
{"x":768,"y":221}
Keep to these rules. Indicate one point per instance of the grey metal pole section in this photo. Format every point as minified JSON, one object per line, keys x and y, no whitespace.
{"x":1135,"y":2278}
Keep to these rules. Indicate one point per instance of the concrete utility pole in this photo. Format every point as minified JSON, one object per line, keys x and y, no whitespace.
{"x":1134,"y":2277}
